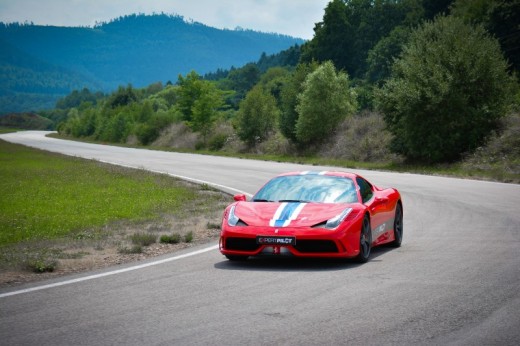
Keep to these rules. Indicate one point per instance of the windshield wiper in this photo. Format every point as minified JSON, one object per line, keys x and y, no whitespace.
{"x":261,"y":200}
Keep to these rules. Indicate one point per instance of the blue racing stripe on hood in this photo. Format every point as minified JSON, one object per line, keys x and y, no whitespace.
{"x":287,"y":214}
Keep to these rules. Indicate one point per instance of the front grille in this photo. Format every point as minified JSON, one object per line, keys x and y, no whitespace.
{"x":241,"y":244}
{"x":317,"y":246}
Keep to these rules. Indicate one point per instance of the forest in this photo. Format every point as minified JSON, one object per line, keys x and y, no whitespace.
{"x":414,"y":81}
{"x":40,"y":64}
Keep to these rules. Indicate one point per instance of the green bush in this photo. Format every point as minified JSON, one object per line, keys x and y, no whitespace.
{"x":41,"y":265}
{"x":447,"y":91}
{"x":174,"y":238}
{"x":143,"y":239}
{"x":325,"y":101}
{"x":217,"y":141}
{"x":133,"y":250}
{"x":188,"y":237}
{"x":256,"y":117}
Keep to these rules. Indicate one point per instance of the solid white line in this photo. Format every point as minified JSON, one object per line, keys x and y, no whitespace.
{"x":114,"y":272}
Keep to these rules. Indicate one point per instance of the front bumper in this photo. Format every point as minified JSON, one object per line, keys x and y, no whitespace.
{"x":242,"y":241}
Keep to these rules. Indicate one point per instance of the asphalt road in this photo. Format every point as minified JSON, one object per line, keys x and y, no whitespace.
{"x":455,"y":280}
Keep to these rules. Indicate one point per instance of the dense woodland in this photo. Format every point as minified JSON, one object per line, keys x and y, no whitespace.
{"x":417,"y":80}
{"x":40,"y":64}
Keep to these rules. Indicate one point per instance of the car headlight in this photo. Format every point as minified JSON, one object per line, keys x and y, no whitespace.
{"x":338,"y":219}
{"x":232,"y":219}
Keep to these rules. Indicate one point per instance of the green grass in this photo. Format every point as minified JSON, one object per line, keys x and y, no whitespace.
{"x":7,"y":130}
{"x":47,"y":196}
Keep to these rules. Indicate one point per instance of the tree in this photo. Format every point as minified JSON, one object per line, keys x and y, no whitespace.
{"x":273,"y":81}
{"x":332,"y":37}
{"x":325,"y":101}
{"x":501,"y":18}
{"x":199,"y":101}
{"x":122,"y":97}
{"x":241,"y":81}
{"x":206,"y":108}
{"x":433,"y":8}
{"x":188,"y":92}
{"x":382,"y":55}
{"x":289,"y":99}
{"x":351,"y":28}
{"x":256,"y":116}
{"x":447,"y":91}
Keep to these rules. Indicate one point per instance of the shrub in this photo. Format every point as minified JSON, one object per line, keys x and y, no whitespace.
{"x":361,"y":138}
{"x":143,"y":239}
{"x":171,"y":239}
{"x":178,"y":136}
{"x":256,"y":116}
{"x":188,"y":237}
{"x":501,"y":153}
{"x":217,"y":141}
{"x":132,"y":250}
{"x":325,"y":101}
{"x":447,"y":91}
{"x":41,"y":265}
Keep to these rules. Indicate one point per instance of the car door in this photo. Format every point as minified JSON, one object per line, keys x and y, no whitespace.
{"x":377,"y":207}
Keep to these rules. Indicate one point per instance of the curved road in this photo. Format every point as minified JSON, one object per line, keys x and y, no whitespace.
{"x":455,"y":280}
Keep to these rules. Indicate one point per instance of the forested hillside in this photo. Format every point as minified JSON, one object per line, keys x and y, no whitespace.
{"x":39,"y":64}
{"x":416,"y":81}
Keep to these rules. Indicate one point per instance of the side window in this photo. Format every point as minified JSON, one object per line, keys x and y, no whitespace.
{"x":365,"y":189}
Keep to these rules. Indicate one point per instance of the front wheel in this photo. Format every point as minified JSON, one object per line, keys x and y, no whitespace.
{"x":398,"y":226}
{"x":365,"y":241}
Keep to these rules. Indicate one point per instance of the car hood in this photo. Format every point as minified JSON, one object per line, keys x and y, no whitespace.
{"x":287,"y":214}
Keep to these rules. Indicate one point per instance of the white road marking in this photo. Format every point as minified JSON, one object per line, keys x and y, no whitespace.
{"x":113,"y":272}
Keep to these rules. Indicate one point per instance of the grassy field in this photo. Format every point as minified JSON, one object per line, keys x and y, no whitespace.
{"x":54,"y":209}
{"x":48,"y":196}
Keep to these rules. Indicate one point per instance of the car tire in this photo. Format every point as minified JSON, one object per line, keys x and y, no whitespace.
{"x":236,"y":258}
{"x":365,"y":241}
{"x":398,"y":226}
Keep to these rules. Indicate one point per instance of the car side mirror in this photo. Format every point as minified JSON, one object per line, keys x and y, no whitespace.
{"x":239,"y":198}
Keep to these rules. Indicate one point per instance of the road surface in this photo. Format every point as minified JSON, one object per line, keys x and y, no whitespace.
{"x":455,"y":280}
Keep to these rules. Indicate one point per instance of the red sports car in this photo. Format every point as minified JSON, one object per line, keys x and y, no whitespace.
{"x":313,"y":214}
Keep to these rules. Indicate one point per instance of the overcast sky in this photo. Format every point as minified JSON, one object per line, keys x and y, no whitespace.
{"x":290,"y":17}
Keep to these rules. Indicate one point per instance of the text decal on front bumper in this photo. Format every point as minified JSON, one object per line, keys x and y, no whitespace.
{"x":267,"y":240}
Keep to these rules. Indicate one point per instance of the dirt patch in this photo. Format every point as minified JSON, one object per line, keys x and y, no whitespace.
{"x":94,"y":259}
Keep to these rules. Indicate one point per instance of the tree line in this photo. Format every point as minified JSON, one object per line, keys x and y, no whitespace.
{"x":441,"y":73}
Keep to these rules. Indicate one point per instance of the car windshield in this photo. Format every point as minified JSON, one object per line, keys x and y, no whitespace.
{"x":308,"y":188}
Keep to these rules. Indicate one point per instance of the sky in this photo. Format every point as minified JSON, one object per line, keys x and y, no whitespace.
{"x":289,"y":17}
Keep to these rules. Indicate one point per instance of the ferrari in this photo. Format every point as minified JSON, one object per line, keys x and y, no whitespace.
{"x":313,"y":214}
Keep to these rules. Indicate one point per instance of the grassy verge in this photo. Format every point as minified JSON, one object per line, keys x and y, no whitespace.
{"x":47,"y":196}
{"x":7,"y":130}
{"x":50,"y":204}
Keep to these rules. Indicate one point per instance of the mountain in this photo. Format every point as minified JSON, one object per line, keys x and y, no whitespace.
{"x":48,"y":62}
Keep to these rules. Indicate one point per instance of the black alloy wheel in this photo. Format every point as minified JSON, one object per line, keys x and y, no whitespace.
{"x":365,"y":241}
{"x":398,"y":226}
